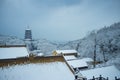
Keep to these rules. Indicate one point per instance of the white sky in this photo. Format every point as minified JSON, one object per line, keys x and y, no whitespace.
{"x":57,"y":20}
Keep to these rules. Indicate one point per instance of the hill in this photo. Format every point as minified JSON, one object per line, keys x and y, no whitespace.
{"x":106,"y":40}
{"x":10,"y":40}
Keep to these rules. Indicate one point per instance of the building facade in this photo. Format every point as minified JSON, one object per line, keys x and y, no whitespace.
{"x":28,"y":34}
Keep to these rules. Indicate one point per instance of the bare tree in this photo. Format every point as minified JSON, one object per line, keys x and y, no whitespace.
{"x":95,"y":51}
{"x":77,"y":47}
{"x":102,"y":48}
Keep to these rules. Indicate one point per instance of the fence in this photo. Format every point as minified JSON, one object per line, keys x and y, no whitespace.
{"x":97,"y":78}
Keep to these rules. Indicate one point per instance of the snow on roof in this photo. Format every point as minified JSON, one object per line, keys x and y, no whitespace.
{"x":39,"y":71}
{"x":28,"y":28}
{"x":70,"y":57}
{"x":77,"y":63}
{"x":110,"y":72}
{"x":66,"y":51}
{"x":40,"y":54}
{"x":13,"y":52}
{"x":87,"y":59}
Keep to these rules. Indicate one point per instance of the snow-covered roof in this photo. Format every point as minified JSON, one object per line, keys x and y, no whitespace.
{"x":66,"y":51}
{"x":40,"y":54}
{"x":39,"y":71}
{"x":87,"y":59}
{"x":13,"y":52}
{"x":28,"y":29}
{"x":110,"y":72}
{"x":77,"y":63}
{"x":70,"y":57}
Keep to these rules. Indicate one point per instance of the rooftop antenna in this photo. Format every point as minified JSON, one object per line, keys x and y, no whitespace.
{"x":28,"y":27}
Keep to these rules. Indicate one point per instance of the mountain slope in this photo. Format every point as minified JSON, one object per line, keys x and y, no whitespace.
{"x":45,"y":46}
{"x":107,"y":45}
{"x":10,"y":40}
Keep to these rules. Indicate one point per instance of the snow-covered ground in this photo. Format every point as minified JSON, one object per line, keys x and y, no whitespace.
{"x":110,"y":72}
{"x":39,"y":71}
{"x":13,"y":52}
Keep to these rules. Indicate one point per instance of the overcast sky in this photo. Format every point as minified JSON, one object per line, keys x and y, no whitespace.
{"x":57,"y":20}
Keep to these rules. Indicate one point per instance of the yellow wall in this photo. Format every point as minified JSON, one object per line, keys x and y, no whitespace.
{"x":54,"y":53}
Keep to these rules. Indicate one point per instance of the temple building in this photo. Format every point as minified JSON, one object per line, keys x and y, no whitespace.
{"x":28,"y":34}
{"x":28,"y":39}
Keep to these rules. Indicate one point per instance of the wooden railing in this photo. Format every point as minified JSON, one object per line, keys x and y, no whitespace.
{"x":95,"y":78}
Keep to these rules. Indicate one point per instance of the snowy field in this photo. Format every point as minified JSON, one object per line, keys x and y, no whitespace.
{"x":13,"y":52}
{"x":39,"y":71}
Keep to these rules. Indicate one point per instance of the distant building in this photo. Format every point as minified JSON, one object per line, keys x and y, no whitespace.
{"x":28,"y":34}
{"x":28,"y":39}
{"x":65,"y":52}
